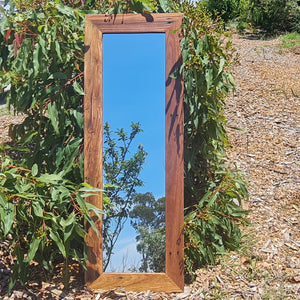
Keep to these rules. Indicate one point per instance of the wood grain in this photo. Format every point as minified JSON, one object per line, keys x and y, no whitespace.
{"x":96,"y":26}
{"x":93,"y":141}
{"x":174,"y":159}
{"x":137,"y":282}
{"x":134,"y":23}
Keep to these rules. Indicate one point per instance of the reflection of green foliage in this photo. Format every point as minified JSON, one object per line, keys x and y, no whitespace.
{"x":147,"y":211}
{"x":121,"y":174}
{"x":152,"y":246}
{"x":148,"y":219}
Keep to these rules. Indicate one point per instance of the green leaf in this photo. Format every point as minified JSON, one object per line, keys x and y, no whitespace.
{"x":221,"y":65}
{"x":185,"y":54}
{"x":209,"y":78}
{"x":230,"y":78}
{"x":37,"y":209}
{"x":237,"y":128}
{"x":58,"y":75}
{"x":80,"y":231}
{"x":78,"y":89}
{"x":34,"y":169}
{"x":71,"y":219}
{"x":70,"y":152}
{"x":68,"y":232}
{"x":199,"y":47}
{"x":36,"y":58}
{"x":50,"y":178}
{"x":64,"y":192}
{"x":53,"y":114}
{"x":40,"y":27}
{"x":9,"y":217}
{"x":57,"y":48}
{"x":34,"y":245}
{"x":165,"y":5}
{"x":28,"y":137}
{"x":96,"y":210}
{"x":204,"y":199}
{"x":42,"y":43}
{"x":58,"y":241}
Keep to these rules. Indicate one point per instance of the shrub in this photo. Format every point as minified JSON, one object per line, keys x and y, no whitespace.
{"x":42,"y":49}
{"x":212,"y":216}
{"x":269,"y":15}
{"x":274,"y":15}
{"x":43,"y":215}
{"x":227,"y":9}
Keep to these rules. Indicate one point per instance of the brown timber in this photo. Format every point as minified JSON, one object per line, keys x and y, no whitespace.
{"x":96,"y":26}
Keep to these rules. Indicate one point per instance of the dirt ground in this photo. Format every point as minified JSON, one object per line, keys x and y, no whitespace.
{"x":265,"y":106}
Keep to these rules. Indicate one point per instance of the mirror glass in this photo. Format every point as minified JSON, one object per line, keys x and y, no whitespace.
{"x":134,"y":152}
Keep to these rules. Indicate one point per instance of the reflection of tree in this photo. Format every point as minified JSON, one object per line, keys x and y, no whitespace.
{"x":148,"y":219}
{"x":121,"y":175}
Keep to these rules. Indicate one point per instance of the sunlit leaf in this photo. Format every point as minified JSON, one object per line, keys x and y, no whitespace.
{"x":34,"y":244}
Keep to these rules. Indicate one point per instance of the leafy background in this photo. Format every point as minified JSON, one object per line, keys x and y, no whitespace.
{"x":42,"y":49}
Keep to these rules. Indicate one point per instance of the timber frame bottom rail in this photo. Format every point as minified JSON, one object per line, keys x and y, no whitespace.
{"x":156,"y":282}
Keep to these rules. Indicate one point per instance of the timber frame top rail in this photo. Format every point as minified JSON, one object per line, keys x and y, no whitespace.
{"x":97,"y":25}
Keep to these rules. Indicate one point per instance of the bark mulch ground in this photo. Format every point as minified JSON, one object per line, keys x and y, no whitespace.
{"x":266,"y":106}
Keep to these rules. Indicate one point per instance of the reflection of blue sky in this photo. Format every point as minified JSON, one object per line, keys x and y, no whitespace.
{"x":134,"y":90}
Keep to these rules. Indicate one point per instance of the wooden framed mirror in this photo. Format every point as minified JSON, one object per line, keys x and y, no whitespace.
{"x":172,"y":280}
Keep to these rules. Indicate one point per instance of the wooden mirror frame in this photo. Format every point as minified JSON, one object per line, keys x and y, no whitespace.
{"x":170,"y":24}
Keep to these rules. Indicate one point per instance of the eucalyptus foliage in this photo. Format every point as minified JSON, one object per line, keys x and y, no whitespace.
{"x":213,"y":192}
{"x":42,"y":217}
{"x":41,"y":57}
